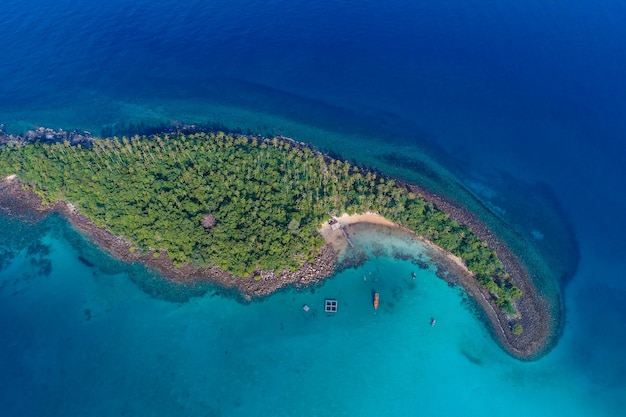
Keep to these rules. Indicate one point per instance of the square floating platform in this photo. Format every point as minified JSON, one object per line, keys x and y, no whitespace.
{"x":306,"y":308}
{"x":330,"y":305}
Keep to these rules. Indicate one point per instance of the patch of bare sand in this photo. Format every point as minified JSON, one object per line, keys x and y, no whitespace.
{"x":529,"y":345}
{"x":339,"y":241}
{"x":335,"y":236}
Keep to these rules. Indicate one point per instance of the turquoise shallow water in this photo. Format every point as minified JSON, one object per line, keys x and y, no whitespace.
{"x":86,"y":340}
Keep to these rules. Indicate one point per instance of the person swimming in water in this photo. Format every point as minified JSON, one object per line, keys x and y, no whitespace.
{"x":432,"y":322}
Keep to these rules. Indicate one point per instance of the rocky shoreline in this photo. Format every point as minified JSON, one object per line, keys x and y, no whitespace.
{"x":536,"y":321}
{"x":540,"y":327}
{"x":26,"y":205}
{"x":46,"y":134}
{"x":539,"y":334}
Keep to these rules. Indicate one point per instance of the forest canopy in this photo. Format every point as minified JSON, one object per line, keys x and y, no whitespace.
{"x":238,"y":202}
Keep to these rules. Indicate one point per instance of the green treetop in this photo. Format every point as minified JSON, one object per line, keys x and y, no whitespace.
{"x":265,"y":199}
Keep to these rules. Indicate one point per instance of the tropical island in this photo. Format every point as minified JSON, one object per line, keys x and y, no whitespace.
{"x":253,"y":213}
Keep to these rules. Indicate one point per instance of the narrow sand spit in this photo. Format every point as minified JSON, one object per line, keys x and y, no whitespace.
{"x":534,"y":314}
{"x":337,"y":239}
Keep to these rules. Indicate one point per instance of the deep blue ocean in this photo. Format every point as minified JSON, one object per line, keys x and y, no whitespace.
{"x":520,"y":104}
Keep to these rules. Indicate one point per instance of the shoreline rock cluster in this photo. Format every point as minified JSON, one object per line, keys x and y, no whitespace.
{"x":26,"y":205}
{"x":46,"y":134}
{"x":86,"y":138}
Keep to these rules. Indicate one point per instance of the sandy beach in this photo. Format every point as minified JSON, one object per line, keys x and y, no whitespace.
{"x":531,"y":306}
{"x":337,"y":238}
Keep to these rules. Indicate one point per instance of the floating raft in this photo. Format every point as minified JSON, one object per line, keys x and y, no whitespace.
{"x":330,"y":305}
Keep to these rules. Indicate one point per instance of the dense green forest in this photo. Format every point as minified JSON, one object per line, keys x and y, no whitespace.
{"x":265,"y":200}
